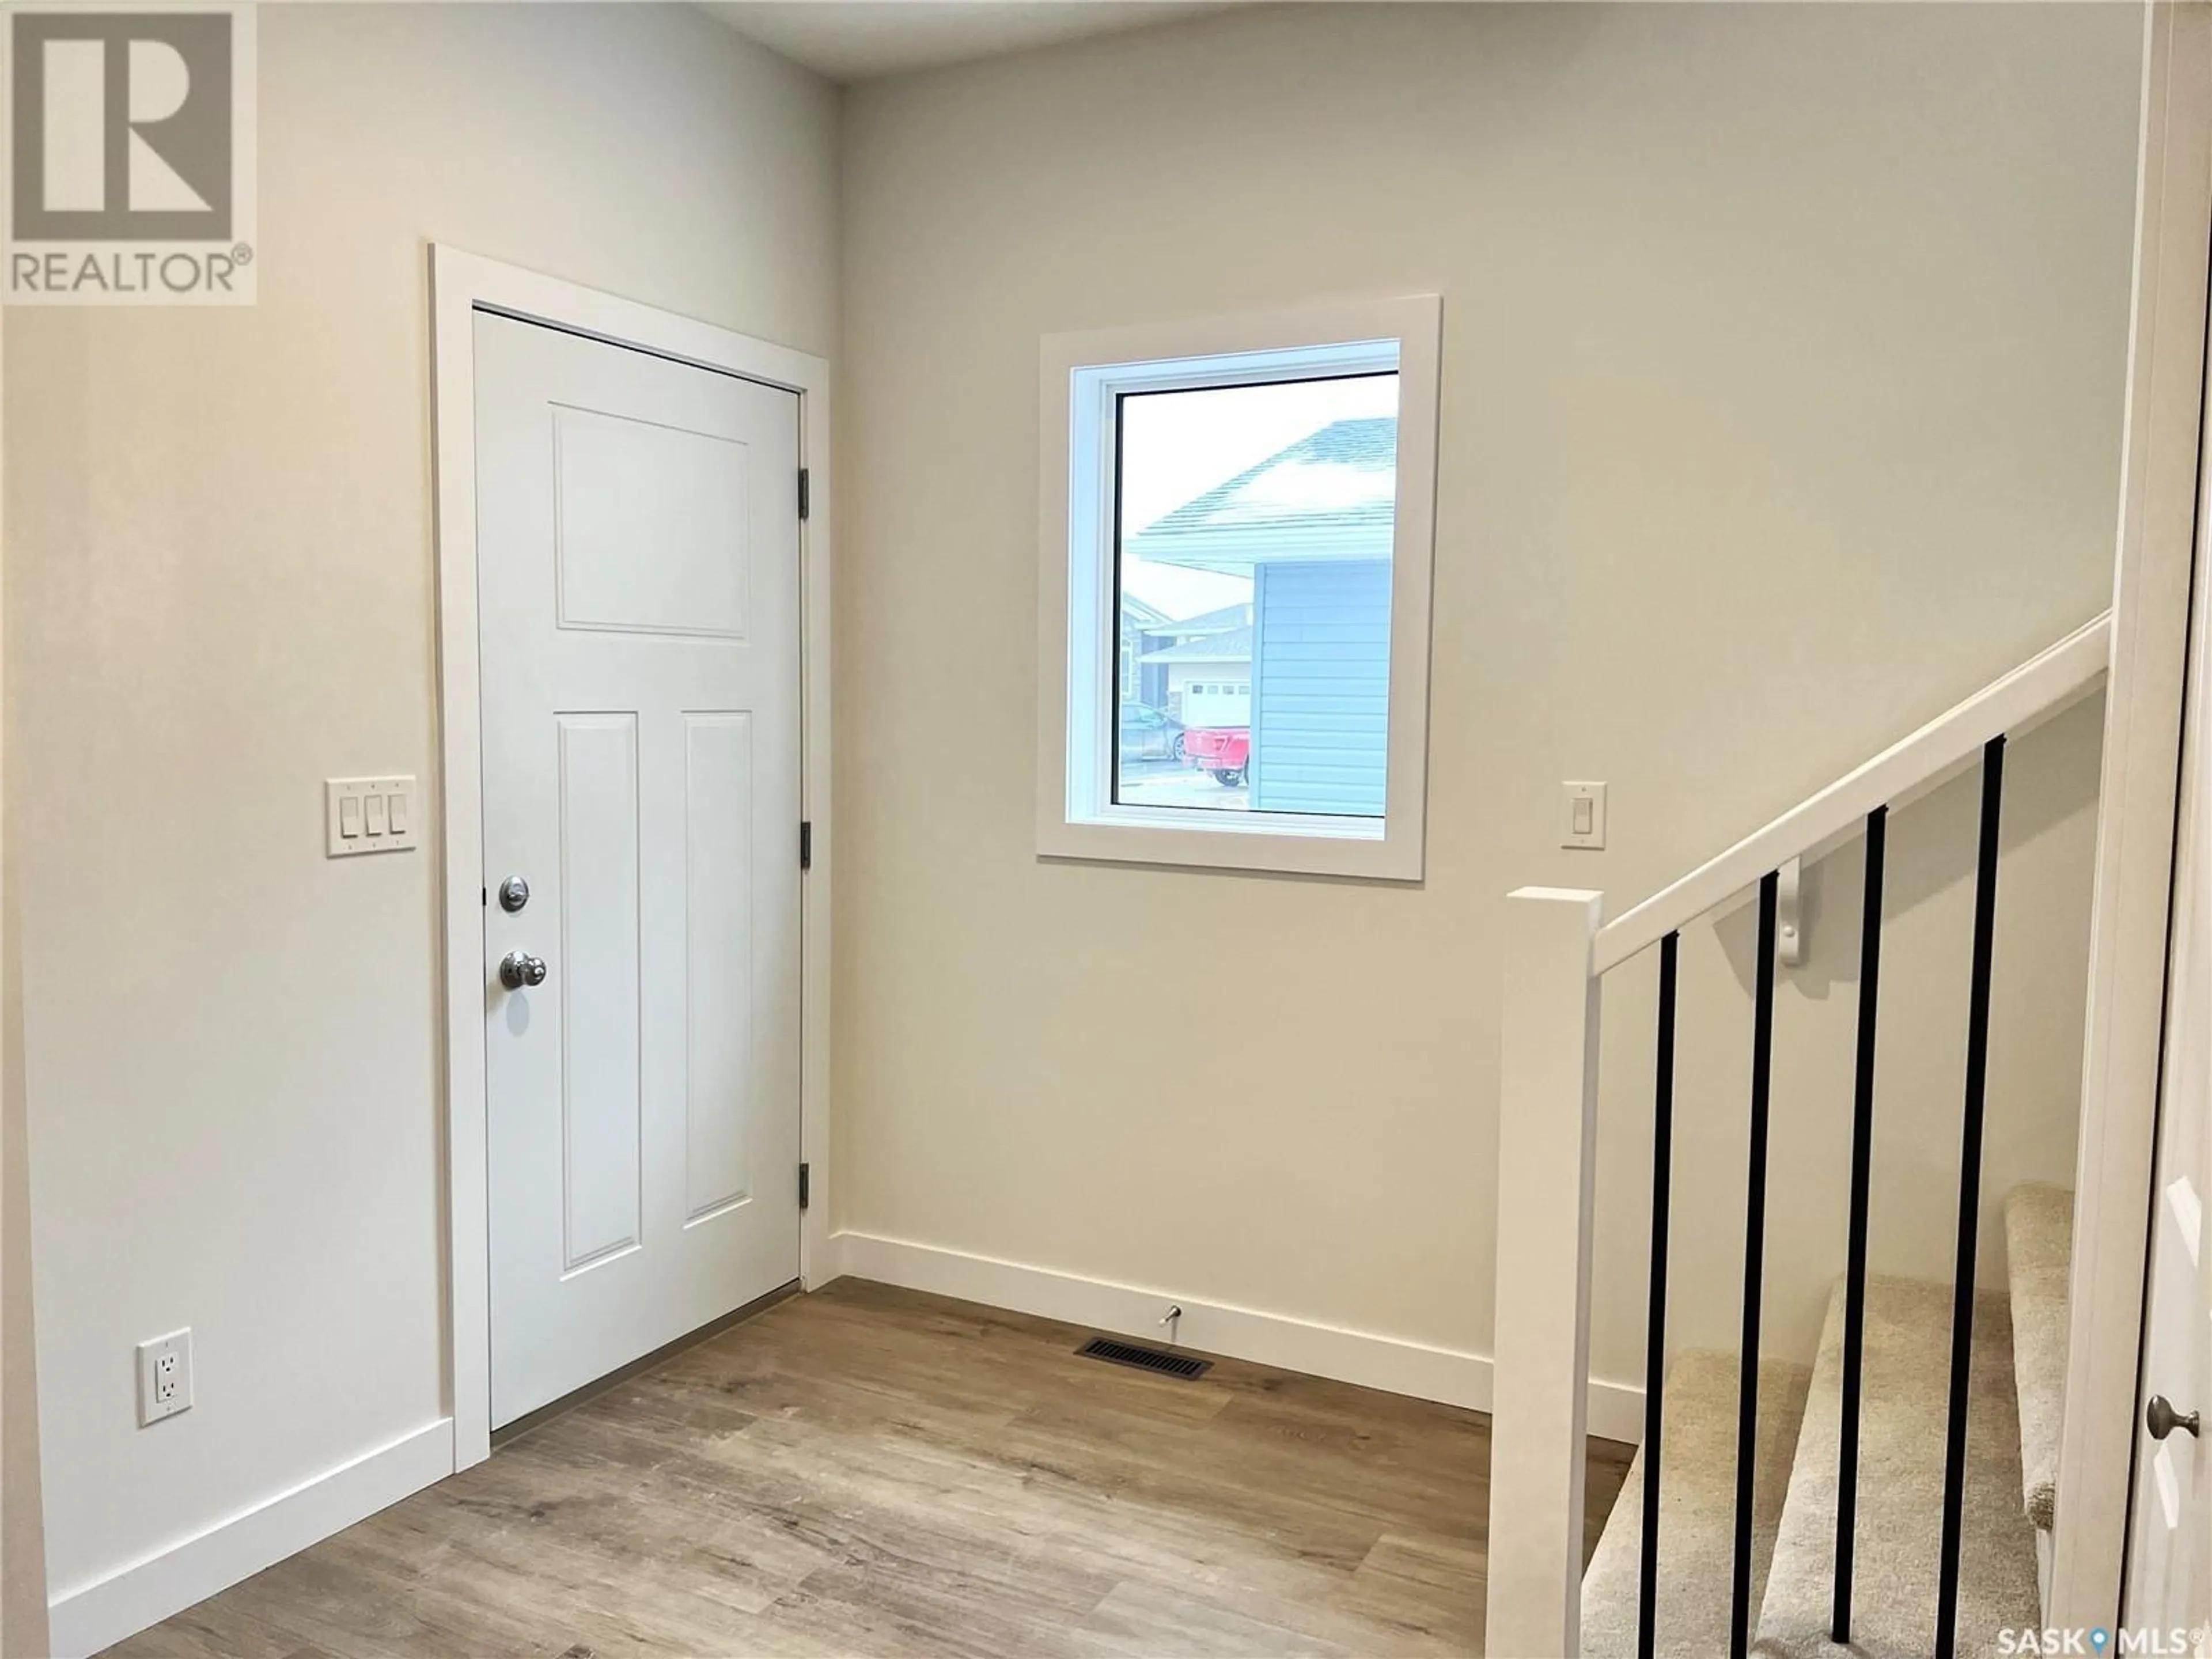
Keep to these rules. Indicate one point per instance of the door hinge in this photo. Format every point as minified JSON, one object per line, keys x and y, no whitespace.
{"x":805,"y":492}
{"x":805,"y":845}
{"x":803,"y":1193}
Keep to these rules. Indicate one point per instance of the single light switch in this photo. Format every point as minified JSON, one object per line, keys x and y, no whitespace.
{"x":348,"y":816}
{"x":395,"y":812}
{"x":1582,"y":815}
{"x":372,"y":812}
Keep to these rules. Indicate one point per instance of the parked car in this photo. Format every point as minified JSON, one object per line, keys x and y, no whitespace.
{"x":1149,"y":733}
{"x":1224,"y":751}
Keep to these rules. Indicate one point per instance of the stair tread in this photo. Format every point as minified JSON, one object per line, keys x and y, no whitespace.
{"x":1900,"y":1489}
{"x":1697,"y":1510}
{"x":2039,"y":1260}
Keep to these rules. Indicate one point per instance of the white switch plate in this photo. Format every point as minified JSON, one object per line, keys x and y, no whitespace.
{"x":1582,"y":815}
{"x":353,"y":807}
{"x":164,"y":1376}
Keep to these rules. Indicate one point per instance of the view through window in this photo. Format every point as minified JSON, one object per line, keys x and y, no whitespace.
{"x":1252,"y":578}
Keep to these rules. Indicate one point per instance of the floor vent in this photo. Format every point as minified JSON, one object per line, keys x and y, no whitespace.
{"x":1144,"y":1359}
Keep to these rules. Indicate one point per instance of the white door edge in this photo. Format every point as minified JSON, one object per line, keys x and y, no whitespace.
{"x":2136,"y":810}
{"x":461,"y":283}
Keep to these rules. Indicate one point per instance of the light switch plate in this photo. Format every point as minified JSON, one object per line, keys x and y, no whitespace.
{"x":1582,"y":815}
{"x":370,"y":815}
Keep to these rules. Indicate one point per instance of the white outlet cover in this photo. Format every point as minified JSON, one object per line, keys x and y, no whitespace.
{"x":370,"y":815}
{"x":164,"y":1376}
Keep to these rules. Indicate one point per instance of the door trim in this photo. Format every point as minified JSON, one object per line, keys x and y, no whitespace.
{"x":460,"y":285}
{"x":2163,"y":475}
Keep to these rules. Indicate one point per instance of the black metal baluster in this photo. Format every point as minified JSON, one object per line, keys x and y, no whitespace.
{"x":1655,"y":1325}
{"x":1754,"y":1255}
{"x":1970,"y":1197}
{"x":1847,"y":1470}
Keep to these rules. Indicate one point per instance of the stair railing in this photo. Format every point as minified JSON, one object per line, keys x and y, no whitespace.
{"x":1558,"y":950}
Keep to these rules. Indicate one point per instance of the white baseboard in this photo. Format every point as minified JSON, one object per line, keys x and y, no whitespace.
{"x":95,"y":1615}
{"x":1389,"y":1363}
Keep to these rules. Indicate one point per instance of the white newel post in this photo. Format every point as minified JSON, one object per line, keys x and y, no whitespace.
{"x":1546,"y":1118}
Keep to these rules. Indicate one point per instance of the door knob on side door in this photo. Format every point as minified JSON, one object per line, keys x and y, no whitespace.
{"x":518,"y":968}
{"x":2161,"y":1419}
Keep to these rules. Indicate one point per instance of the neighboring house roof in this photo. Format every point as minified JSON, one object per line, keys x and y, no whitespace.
{"x":1135,"y":613}
{"x":1235,"y":646}
{"x":1208,"y":622}
{"x":1333,"y":494}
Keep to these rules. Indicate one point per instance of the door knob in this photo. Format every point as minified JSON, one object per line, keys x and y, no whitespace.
{"x":518,"y":968}
{"x":2161,"y":1419}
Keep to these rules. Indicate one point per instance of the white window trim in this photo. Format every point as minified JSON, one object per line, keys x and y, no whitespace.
{"x":1077,"y":634}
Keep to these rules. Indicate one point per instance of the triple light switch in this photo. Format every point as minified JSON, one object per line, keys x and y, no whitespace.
{"x":368,"y":815}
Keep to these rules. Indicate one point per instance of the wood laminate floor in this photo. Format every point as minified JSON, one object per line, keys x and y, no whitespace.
{"x":871,"y":1471}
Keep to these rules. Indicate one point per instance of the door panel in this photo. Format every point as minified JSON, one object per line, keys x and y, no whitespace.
{"x":718,"y":920}
{"x":638,"y":592}
{"x":599,"y":985}
{"x":647,"y":514}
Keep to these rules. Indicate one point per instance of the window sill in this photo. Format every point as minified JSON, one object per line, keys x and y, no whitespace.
{"x":1358,"y":848}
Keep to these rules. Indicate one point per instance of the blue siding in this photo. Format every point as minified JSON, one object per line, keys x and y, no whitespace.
{"x":1321,"y":687}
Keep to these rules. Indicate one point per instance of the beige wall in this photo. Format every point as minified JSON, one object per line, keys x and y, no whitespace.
{"x":23,"y":1629}
{"x":1781,"y":407}
{"x":1783,"y":352}
{"x":219,"y":593}
{"x":22,"y":1533}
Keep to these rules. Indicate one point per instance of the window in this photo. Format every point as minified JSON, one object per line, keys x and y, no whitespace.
{"x":1235,"y":591}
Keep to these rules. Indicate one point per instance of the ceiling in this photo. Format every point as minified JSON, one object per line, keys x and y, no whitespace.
{"x":849,"y":40}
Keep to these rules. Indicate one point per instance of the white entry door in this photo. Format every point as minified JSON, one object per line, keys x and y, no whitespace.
{"x":637,"y":532}
{"x":2170,"y":1532}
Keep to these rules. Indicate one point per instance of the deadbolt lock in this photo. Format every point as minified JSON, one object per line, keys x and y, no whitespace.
{"x":513,"y":894}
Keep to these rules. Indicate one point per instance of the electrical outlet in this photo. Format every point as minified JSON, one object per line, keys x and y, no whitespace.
{"x":164,"y":1376}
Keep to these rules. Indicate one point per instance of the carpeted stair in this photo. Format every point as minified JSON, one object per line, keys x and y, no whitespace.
{"x":1902,"y":1422}
{"x":2039,"y":1252}
{"x":2013,"y":1403}
{"x":1697,"y":1511}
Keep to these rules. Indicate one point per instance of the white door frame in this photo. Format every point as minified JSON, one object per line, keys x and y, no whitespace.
{"x":2159,"y":526}
{"x":461,"y":284}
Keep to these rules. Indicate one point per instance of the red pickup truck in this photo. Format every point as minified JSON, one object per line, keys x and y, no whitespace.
{"x":1224,"y":751}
